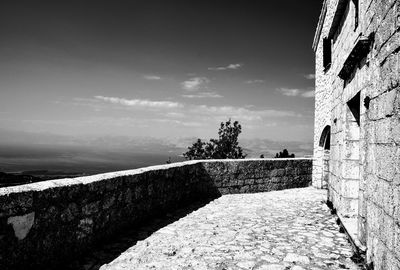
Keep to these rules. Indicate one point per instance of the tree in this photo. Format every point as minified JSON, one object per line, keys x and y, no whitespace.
{"x":226,"y":146}
{"x":284,"y":154}
{"x":196,"y":151}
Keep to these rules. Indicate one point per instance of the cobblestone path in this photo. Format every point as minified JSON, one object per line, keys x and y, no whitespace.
{"x":290,"y":229}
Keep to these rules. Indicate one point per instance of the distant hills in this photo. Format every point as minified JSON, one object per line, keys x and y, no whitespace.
{"x":35,"y":157}
{"x":27,"y":177}
{"x":7,"y":179}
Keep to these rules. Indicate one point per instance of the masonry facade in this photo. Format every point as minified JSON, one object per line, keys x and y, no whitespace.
{"x":357,"y":122}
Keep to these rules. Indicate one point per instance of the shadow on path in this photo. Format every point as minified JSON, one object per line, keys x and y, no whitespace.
{"x":109,"y":250}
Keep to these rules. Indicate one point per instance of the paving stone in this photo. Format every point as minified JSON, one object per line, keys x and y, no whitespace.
{"x":296,"y":267}
{"x":272,"y":267}
{"x":291,"y":257}
{"x":279,"y":230}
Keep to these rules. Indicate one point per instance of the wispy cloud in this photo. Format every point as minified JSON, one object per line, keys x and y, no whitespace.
{"x":152,"y":77}
{"x":240,"y":113}
{"x":195,"y":83}
{"x":140,"y":102}
{"x":230,"y":66}
{"x":178,"y":122}
{"x":290,"y":92}
{"x":175,"y":114}
{"x":294,"y":92}
{"x":203,"y":95}
{"x":254,"y":81}
{"x":310,"y":76}
{"x":308,"y":94}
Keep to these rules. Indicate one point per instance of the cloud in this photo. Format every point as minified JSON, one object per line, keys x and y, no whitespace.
{"x":254,"y":81}
{"x":203,"y":95}
{"x":308,"y":94}
{"x":310,"y":76}
{"x":178,"y":122}
{"x":152,"y":77}
{"x":290,"y":92}
{"x":93,"y":103}
{"x":240,"y":113}
{"x":175,"y":115}
{"x":230,"y":66}
{"x":195,"y":83}
{"x":140,"y":102}
{"x":294,"y":92}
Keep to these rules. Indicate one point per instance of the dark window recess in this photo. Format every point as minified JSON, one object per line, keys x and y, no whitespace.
{"x":325,"y":139}
{"x":339,"y":18}
{"x":327,"y":53}
{"x":327,"y":145}
{"x":354,"y":106}
{"x":356,"y":17}
{"x":360,"y":50}
{"x":367,"y":100}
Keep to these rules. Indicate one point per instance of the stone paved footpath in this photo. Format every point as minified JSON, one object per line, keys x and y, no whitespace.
{"x":290,"y":229}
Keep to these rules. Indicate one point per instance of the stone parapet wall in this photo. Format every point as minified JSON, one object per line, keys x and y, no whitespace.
{"x":249,"y":176}
{"x":45,"y":224}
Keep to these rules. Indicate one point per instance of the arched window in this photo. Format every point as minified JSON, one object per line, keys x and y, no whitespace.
{"x":325,"y":140}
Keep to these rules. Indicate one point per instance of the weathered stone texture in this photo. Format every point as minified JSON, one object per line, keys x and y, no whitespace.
{"x":364,"y":166}
{"x":285,"y":230}
{"x":44,"y":224}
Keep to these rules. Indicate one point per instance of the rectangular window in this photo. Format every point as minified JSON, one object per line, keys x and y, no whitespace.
{"x":354,"y":106}
{"x":327,"y":44}
{"x":356,"y":15}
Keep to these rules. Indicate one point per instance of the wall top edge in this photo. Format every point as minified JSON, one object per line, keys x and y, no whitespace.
{"x":320,"y":25}
{"x":84,"y":180}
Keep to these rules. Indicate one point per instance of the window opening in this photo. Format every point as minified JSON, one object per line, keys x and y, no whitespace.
{"x":327,"y":50}
{"x":354,"y":106}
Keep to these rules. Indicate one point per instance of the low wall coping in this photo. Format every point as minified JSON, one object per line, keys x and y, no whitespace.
{"x":84,"y":180}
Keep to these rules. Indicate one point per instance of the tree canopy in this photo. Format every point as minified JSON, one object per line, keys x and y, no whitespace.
{"x":284,"y":154}
{"x":225,"y":147}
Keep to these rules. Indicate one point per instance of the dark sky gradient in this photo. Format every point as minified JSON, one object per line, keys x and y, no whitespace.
{"x":61,"y":62}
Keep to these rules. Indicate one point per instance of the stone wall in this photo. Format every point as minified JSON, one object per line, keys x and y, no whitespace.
{"x":249,"y":176}
{"x":380,"y":153}
{"x":45,"y":224}
{"x":323,"y":99}
{"x":364,"y":174}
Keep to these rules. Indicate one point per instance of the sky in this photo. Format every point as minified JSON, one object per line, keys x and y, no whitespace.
{"x":162,"y":69}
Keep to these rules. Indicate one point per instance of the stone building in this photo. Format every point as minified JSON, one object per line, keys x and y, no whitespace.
{"x":357,"y":122}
